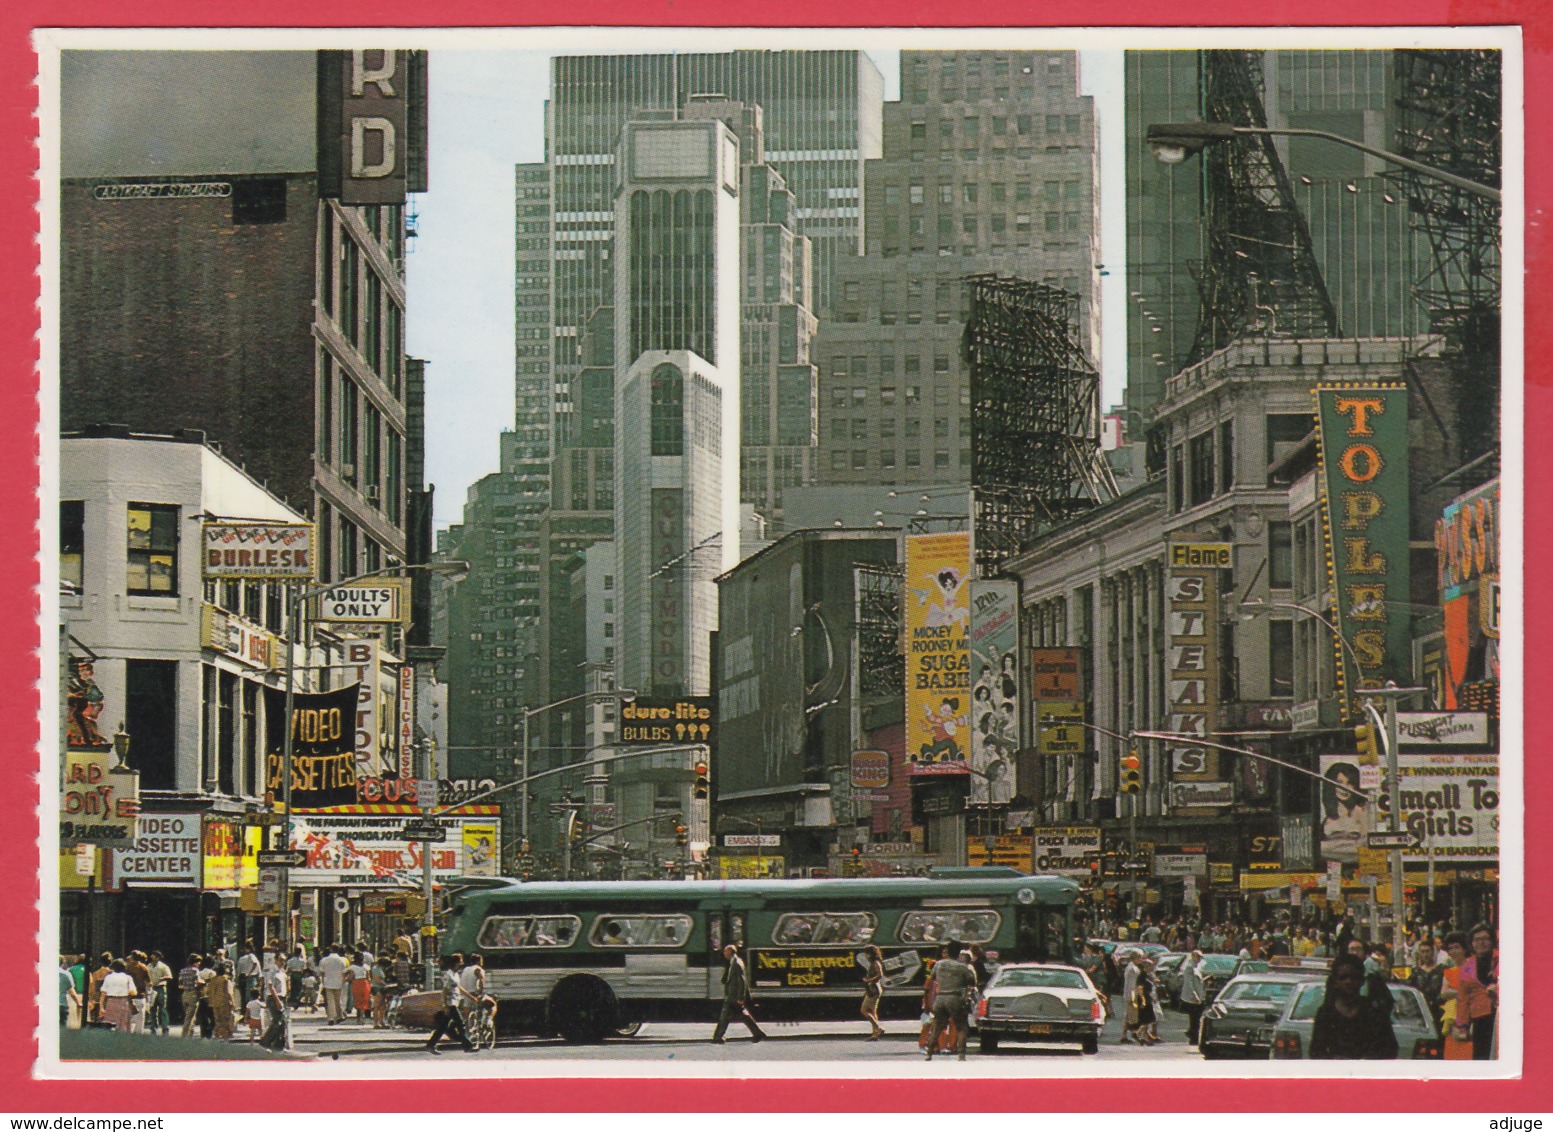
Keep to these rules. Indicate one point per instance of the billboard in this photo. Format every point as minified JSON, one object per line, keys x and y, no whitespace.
{"x":273,"y":552}
{"x":994,"y":643}
{"x":1066,"y":850}
{"x":1363,"y":473}
{"x":1466,"y":543}
{"x":1450,"y":804}
{"x":323,"y":765}
{"x":370,"y":850}
{"x":1192,"y":597}
{"x":480,"y":849}
{"x":938,"y":673}
{"x":166,"y":853}
{"x":649,"y":721}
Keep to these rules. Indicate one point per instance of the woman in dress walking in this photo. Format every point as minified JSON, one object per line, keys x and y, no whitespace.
{"x":117,"y":992}
{"x":873,"y":987}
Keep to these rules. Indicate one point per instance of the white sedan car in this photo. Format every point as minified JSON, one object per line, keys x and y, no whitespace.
{"x":1039,"y":1002}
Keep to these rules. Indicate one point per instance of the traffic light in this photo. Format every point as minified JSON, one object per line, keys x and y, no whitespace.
{"x":579,"y":828}
{"x":681,"y":836}
{"x":1364,"y":736}
{"x":1131,"y":772}
{"x":703,"y":786}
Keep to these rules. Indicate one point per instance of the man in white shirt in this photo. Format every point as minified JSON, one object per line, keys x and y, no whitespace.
{"x":331,"y":976}
{"x":277,"y":1034}
{"x":157,"y":1013}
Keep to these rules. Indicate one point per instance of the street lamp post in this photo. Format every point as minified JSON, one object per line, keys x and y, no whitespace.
{"x":1172,"y":143}
{"x":625,"y":695}
{"x":294,"y":603}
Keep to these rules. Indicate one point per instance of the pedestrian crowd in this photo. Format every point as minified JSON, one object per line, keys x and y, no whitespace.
{"x":234,"y":991}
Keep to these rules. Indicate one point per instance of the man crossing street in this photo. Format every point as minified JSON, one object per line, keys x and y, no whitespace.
{"x":735,"y":998}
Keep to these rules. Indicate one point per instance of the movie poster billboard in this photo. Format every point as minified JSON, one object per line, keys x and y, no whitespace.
{"x":323,"y":760}
{"x":1466,"y":544}
{"x":994,"y":640}
{"x":1450,"y":804}
{"x":938,"y":670}
{"x":1363,"y":473}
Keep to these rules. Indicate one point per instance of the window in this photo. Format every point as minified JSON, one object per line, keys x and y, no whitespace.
{"x":72,"y":541}
{"x":946,"y":193}
{"x":640,"y":931}
{"x":919,"y":129}
{"x":1280,"y":555}
{"x":151,"y":718}
{"x":969,"y":926}
{"x":153,"y":549}
{"x":916,"y":194}
{"x":1284,"y":433}
{"x":668,"y":411}
{"x":1177,"y":478}
{"x":794,"y":928}
{"x":348,"y":429}
{"x":1201,"y":454}
{"x":1280,"y":659}
{"x":510,"y":933}
{"x":1226,"y":455}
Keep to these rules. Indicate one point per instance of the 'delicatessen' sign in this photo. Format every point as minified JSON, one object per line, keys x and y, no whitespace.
{"x":1362,"y":430}
{"x":276,"y":552}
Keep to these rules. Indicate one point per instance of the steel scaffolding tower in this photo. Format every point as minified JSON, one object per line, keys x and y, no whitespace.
{"x":1260,"y":275}
{"x":881,"y":662}
{"x":1035,"y":414}
{"x":1450,"y":118}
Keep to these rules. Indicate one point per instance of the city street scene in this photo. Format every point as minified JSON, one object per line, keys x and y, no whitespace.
{"x":948,"y":553}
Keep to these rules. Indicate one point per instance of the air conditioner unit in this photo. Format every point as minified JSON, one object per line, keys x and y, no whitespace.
{"x":348,"y":471}
{"x":372,"y":493}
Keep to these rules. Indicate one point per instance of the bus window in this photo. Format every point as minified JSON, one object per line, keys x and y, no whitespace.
{"x":824,"y":927}
{"x":510,"y":933}
{"x":974,"y":926}
{"x":639,"y":931}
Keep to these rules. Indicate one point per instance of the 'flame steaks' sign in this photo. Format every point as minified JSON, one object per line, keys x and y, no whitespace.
{"x":1364,"y":482}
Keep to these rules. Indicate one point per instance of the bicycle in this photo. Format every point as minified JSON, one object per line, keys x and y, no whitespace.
{"x":480,"y":1024}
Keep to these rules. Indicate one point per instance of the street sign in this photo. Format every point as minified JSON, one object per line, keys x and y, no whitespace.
{"x":282,"y":858}
{"x":1401,"y":839}
{"x":424,"y":831}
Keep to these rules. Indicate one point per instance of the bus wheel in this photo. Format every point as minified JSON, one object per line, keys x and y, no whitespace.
{"x":582,"y":1009}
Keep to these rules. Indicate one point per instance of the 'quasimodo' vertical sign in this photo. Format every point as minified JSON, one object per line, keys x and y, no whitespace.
{"x":1192,"y":594}
{"x":1362,"y":431}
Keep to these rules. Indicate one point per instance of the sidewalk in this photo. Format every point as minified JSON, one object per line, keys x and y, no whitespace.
{"x":310,"y":1031}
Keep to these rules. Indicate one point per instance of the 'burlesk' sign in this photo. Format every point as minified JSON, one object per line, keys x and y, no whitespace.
{"x":1192,"y":590}
{"x":276,"y":552}
{"x":323,"y":746}
{"x":938,"y":658}
{"x":1364,"y":481}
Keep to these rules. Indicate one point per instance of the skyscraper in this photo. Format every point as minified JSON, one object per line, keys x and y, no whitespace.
{"x":676,"y":226}
{"x":989,"y":166}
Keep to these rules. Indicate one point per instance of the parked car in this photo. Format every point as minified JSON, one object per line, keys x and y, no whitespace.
{"x":1417,"y":1037}
{"x":1218,"y":969}
{"x":1240,"y":1021}
{"x":1169,"y":969}
{"x":1039,"y":1002}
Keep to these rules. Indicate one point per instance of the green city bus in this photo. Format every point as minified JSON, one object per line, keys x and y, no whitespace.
{"x":587,"y":960}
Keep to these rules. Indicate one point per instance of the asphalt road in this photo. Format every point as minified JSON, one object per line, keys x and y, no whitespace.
{"x":831,"y":1042}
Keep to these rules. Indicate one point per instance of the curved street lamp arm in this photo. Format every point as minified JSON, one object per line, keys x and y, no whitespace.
{"x":1487,"y":192}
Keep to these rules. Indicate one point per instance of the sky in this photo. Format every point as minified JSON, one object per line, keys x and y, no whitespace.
{"x":487,"y":115}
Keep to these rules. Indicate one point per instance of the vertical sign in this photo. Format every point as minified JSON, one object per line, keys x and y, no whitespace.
{"x":363,"y":141}
{"x":1466,"y":546}
{"x":406,"y":721}
{"x":994,"y":643}
{"x":1056,"y":690}
{"x":938,"y":674}
{"x":479,"y":850}
{"x":1192,"y":593}
{"x":669,"y":666}
{"x":1362,"y":430}
{"x":361,"y":659}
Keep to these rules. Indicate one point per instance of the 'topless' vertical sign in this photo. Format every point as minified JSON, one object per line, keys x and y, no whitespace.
{"x":1364,"y":482}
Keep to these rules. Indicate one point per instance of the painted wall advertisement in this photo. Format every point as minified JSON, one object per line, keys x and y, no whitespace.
{"x":1362,"y":431}
{"x":938,"y":671}
{"x":1466,"y":543}
{"x":323,"y":765}
{"x":1192,"y":595}
{"x":994,"y":642}
{"x":1450,"y":804}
